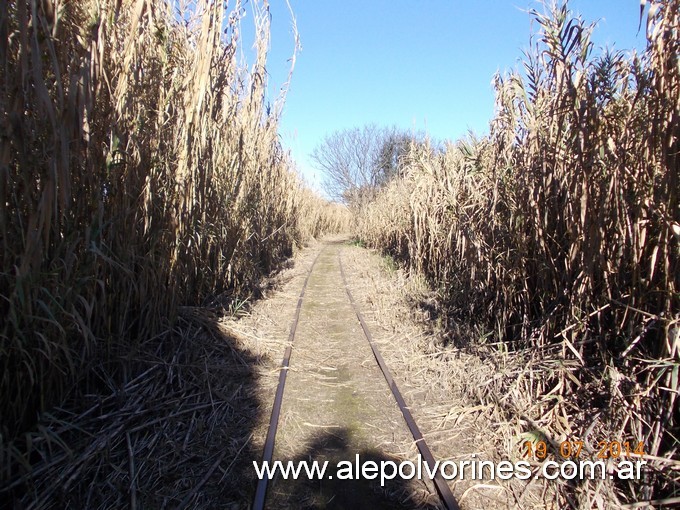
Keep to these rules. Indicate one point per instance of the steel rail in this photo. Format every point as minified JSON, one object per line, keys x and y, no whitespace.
{"x":261,"y":491}
{"x":443,"y":489}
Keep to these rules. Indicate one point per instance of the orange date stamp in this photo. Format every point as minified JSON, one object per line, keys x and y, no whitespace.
{"x":573,"y":449}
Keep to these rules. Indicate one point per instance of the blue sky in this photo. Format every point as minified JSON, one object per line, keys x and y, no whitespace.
{"x":417,"y":64}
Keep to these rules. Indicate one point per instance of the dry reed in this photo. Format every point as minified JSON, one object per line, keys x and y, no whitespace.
{"x":140,"y":170}
{"x":557,"y":235}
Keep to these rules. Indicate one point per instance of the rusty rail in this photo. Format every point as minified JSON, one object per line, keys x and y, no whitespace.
{"x":443,"y":489}
{"x":261,"y":491}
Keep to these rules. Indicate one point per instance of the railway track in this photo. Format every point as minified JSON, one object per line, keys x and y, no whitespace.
{"x":446,"y":497}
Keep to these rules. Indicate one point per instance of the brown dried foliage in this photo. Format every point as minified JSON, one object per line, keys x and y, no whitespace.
{"x":558,"y":235}
{"x":139,"y":170}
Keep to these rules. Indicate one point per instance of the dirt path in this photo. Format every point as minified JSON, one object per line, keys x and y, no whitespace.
{"x":336,"y":403}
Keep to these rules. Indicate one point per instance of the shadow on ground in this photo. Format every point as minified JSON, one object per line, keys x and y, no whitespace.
{"x":343,"y":487}
{"x":177,"y":432}
{"x":169,"y":428}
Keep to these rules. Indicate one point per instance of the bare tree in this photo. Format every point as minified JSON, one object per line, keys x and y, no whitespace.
{"x":356,"y":162}
{"x":394,"y":146}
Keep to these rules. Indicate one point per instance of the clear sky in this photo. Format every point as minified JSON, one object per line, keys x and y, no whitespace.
{"x":417,"y":64}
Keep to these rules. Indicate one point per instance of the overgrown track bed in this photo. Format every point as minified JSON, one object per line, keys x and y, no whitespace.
{"x":336,"y":274}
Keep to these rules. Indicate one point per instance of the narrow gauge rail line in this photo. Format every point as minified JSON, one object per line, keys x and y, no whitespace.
{"x":442,"y":487}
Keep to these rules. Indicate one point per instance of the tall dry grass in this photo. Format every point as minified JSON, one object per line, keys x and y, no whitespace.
{"x":139,"y":170}
{"x":558,"y":234}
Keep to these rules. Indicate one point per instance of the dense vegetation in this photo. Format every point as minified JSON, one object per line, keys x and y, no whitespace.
{"x":557,"y":234}
{"x":140,"y":170}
